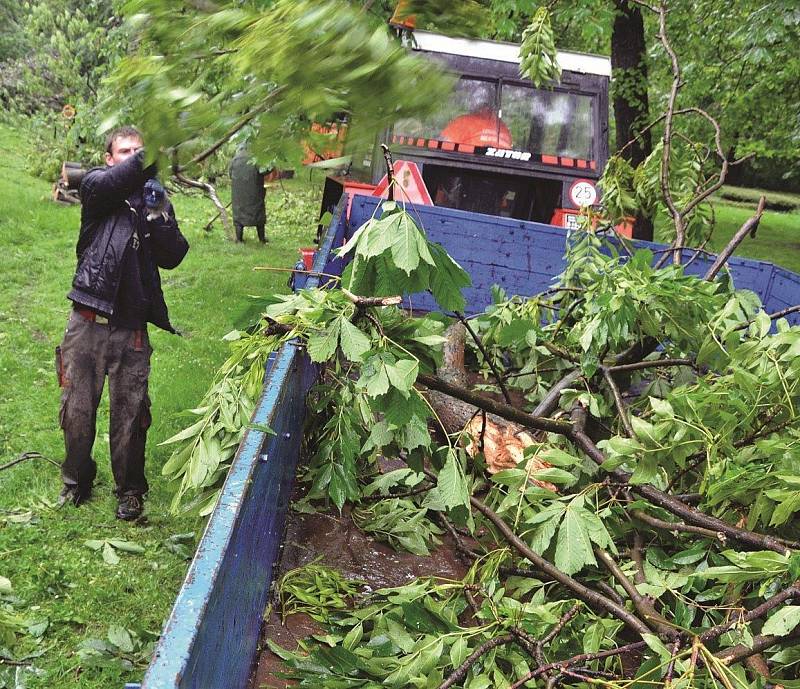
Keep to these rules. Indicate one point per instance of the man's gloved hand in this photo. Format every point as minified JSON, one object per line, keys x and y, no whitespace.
{"x":155,"y":199}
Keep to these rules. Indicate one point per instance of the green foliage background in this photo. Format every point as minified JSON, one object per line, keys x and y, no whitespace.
{"x":738,"y":59}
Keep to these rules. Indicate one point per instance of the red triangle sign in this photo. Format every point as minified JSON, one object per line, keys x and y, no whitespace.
{"x":409,"y":186}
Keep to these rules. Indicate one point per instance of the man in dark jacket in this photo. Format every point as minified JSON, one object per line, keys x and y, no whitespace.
{"x":128,"y":230}
{"x":247,"y":196}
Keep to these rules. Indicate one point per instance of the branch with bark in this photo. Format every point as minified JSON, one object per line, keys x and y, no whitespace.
{"x":575,"y":432}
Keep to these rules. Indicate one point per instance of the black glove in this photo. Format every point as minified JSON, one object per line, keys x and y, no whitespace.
{"x":154,"y":194}
{"x":155,"y":199}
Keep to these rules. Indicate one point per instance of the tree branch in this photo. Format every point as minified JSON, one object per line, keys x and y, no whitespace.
{"x":659,"y":363}
{"x":241,"y":124}
{"x":677,"y":216}
{"x":641,"y":603}
{"x":212,"y":194}
{"x":756,"y":613}
{"x":673,"y":527}
{"x":760,"y":643}
{"x":581,"y":658}
{"x":749,"y":227}
{"x":575,"y":432}
{"x":505,"y":411}
{"x":584,"y":593}
{"x":550,"y":401}
{"x":485,"y":354}
{"x":623,"y":413}
{"x":772,"y":316}
{"x":463,"y":669}
{"x":371,"y":301}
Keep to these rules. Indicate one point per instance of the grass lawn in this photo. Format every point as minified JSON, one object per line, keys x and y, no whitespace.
{"x":777,"y":239}
{"x":59,"y":585}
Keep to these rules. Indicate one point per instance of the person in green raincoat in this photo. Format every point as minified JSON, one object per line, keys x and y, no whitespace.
{"x":247,"y":196}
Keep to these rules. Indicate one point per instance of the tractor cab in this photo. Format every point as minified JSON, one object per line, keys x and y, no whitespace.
{"x":498,"y":145}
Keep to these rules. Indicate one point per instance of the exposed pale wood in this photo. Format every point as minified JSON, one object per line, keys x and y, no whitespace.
{"x":502,"y":442}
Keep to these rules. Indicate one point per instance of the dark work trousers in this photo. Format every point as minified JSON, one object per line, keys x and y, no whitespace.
{"x":262,"y":235}
{"x":91,"y":351}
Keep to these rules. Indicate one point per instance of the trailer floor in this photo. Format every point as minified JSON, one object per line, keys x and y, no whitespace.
{"x":339,"y":544}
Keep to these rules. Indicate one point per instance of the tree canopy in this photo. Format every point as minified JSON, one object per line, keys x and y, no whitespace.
{"x":194,"y":70}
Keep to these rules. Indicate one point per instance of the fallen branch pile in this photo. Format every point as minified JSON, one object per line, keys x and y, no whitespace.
{"x":646,"y":530}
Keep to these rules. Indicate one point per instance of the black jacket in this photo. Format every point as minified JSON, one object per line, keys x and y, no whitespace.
{"x":120,"y":251}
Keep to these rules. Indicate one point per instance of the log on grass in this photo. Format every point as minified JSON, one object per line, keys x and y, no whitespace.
{"x":63,"y":195}
{"x":72,"y":174}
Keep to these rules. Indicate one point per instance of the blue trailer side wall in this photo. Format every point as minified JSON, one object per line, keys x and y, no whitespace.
{"x":209,"y":641}
{"x":524,"y":257}
{"x":210,"y":638}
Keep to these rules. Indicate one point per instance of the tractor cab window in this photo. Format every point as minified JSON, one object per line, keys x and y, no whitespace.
{"x":490,"y":112}
{"x":469,"y":116}
{"x":553,"y":123}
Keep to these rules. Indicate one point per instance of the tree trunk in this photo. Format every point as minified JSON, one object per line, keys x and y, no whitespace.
{"x":631,"y":106}
{"x":735,"y":171}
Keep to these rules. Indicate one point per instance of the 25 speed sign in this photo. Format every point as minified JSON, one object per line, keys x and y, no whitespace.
{"x":583,"y":193}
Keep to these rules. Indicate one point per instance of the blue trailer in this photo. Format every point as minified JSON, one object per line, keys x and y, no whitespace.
{"x":210,"y":639}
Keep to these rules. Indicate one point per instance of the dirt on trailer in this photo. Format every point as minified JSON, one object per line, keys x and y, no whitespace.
{"x":335,"y":541}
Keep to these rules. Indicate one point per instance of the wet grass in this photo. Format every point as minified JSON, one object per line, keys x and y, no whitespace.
{"x":777,"y":239}
{"x":56,"y":578}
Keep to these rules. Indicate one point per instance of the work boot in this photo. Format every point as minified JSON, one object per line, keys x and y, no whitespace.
{"x":130,"y":507}
{"x":74,"y":494}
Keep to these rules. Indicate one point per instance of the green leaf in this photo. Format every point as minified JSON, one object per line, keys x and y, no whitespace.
{"x":538,"y":54}
{"x":623,"y":446}
{"x":232,"y":336}
{"x":322,"y":346}
{"x":37,"y":629}
{"x":109,"y":555}
{"x":354,"y":342}
{"x":379,"y":437}
{"x":662,"y":407}
{"x":378,"y":383}
{"x":452,"y":484}
{"x":554,"y":475}
{"x":415,"y":434}
{"x":279,"y":650}
{"x":482,"y":681}
{"x":557,"y":457}
{"x":646,"y":470}
{"x":573,"y":546}
{"x":405,"y":247}
{"x":121,"y":638}
{"x":353,"y":637}
{"x":186,"y":433}
{"x":783,"y":621}
{"x":458,"y":651}
{"x":447,"y":280}
{"x":643,"y":430}
{"x":403,"y":374}
{"x":785,"y":509}
{"x":264,"y":428}
{"x":655,"y":645}
{"x":126,"y":546}
{"x":419,"y":618}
